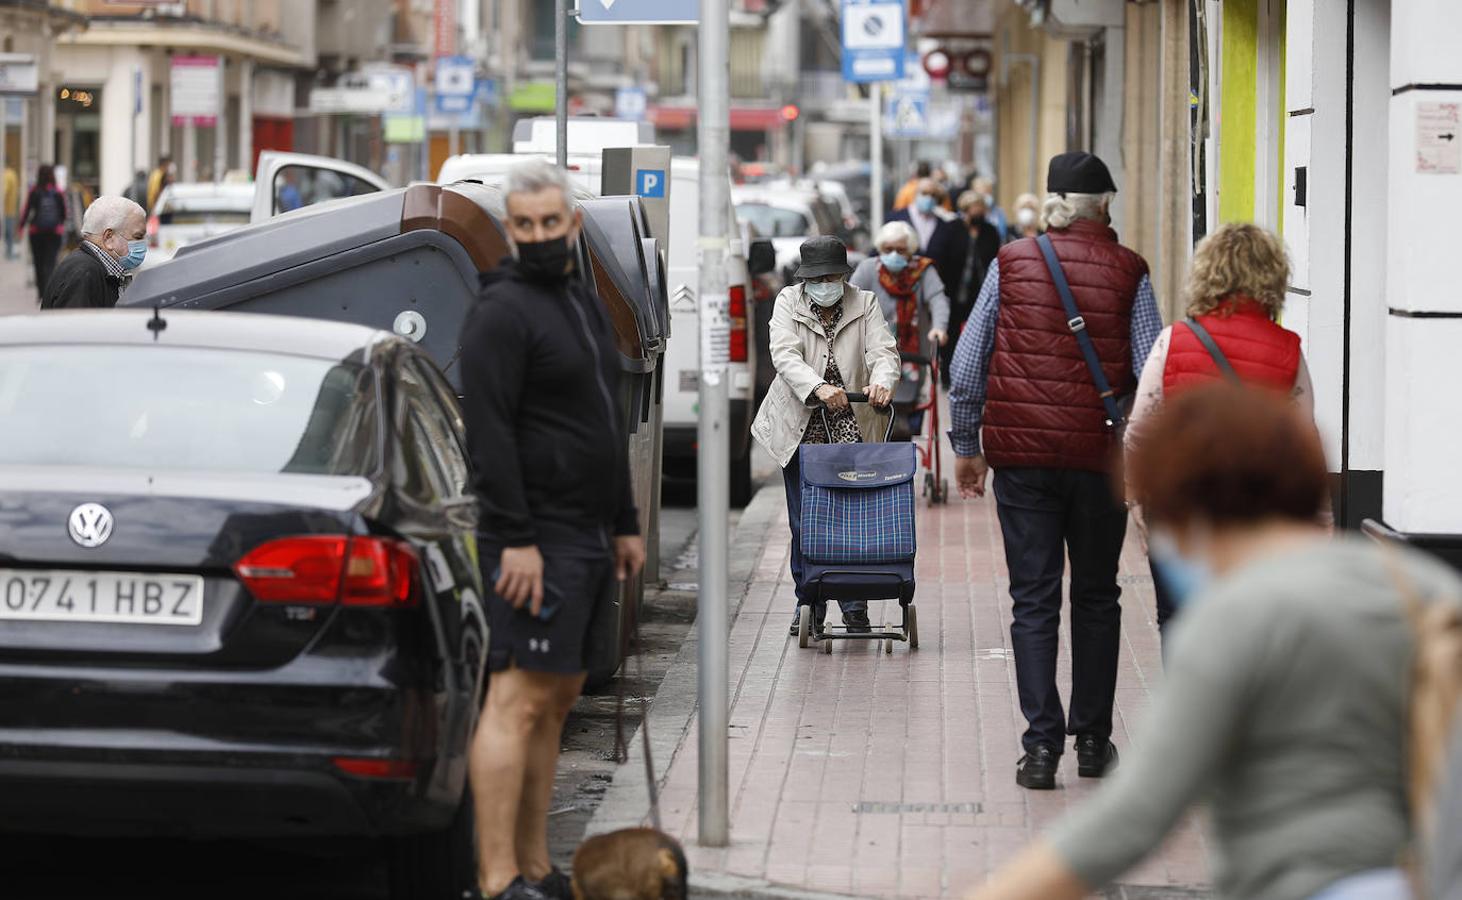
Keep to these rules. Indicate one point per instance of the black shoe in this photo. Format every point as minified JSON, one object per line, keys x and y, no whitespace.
{"x":857,"y":622}
{"x":1037,"y":769}
{"x":519,"y":889}
{"x":556,"y":885}
{"x":797,"y":619}
{"x":1095,"y":756}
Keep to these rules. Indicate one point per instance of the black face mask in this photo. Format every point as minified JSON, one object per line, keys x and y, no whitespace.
{"x":978,"y":221}
{"x":545,"y":260}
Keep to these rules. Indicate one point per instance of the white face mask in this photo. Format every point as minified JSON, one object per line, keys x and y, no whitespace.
{"x":1025,"y":217}
{"x":823,"y":293}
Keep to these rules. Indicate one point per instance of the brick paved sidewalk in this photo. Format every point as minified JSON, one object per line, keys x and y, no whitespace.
{"x":884,"y":775}
{"x":17,"y":293}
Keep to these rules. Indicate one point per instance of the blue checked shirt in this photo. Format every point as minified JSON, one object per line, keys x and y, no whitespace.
{"x":970,"y":370}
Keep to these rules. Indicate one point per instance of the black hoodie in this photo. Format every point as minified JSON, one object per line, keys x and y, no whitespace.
{"x":540,"y":374}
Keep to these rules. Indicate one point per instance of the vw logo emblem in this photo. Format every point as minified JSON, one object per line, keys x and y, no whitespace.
{"x":90,"y":524}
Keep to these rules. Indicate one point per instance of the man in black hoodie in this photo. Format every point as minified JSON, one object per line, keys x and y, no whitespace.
{"x":559,"y":526}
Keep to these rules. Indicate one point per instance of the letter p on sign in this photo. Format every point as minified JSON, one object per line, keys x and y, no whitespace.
{"x":650,"y":182}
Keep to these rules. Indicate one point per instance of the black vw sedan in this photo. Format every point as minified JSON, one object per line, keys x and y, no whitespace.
{"x":238,"y":590}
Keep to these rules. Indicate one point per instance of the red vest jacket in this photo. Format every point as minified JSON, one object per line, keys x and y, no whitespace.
{"x":1262,"y":352}
{"x":1042,"y":409}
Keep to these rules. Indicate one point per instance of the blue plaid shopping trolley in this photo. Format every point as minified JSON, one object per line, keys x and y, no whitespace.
{"x":858,"y":534}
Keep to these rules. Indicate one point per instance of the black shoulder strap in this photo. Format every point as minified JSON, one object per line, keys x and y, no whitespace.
{"x":1077,"y":324}
{"x":1212,"y":347}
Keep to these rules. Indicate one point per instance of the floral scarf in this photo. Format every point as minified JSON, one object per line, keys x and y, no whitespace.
{"x":903,"y":287}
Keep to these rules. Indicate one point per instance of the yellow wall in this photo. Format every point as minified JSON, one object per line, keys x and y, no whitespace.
{"x":1014,"y":34}
{"x":1237,"y":104}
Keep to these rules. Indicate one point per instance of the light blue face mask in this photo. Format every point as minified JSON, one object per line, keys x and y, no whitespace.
{"x":824,"y":293}
{"x":924,"y":204}
{"x":136,"y":252}
{"x":1183,"y":576}
{"x":894,"y":262}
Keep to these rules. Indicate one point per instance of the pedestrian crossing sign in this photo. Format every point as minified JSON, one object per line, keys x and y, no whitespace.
{"x":907,"y":116}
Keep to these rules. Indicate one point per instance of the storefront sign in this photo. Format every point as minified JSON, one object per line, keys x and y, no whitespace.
{"x":196,"y":88}
{"x":18,"y":74}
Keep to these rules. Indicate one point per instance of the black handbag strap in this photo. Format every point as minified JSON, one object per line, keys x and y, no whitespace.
{"x":1077,"y":324}
{"x":1212,"y":347}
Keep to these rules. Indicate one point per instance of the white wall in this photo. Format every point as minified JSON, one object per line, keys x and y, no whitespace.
{"x":1423,"y":284}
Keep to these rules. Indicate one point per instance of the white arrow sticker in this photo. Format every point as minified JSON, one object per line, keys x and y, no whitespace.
{"x":608,"y":4}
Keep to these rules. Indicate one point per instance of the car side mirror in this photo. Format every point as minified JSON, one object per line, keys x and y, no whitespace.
{"x":762,"y":258}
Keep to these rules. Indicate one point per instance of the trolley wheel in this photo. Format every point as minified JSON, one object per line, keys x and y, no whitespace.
{"x":888,"y":645}
{"x":804,"y":626}
{"x":944,"y":490}
{"x":827,"y":646}
{"x":911,"y":626}
{"x":929,"y":485}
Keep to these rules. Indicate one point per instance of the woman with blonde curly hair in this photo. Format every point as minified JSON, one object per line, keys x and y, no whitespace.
{"x":1235,"y":294}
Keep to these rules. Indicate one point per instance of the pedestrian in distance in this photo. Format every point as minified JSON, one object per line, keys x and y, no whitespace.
{"x":559,"y":530}
{"x":827,"y":337}
{"x":113,"y":245}
{"x":1290,"y":701}
{"x":160,"y":177}
{"x":1235,"y":294}
{"x":10,"y":209}
{"x":1043,"y":383}
{"x":1027,"y":217}
{"x":44,"y":217}
{"x":944,"y":239}
{"x":913,"y":299}
{"x":78,"y":199}
{"x":985,"y":187}
{"x":985,"y":243}
{"x":910,"y":189}
{"x":137,"y":190}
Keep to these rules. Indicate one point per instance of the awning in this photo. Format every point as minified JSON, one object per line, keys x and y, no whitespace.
{"x":743,"y":118}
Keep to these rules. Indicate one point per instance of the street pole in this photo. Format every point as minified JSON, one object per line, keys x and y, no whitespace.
{"x":875,"y":156}
{"x":713,"y":140}
{"x":561,"y":79}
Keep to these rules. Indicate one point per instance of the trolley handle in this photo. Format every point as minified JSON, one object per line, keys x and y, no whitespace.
{"x":855,"y":397}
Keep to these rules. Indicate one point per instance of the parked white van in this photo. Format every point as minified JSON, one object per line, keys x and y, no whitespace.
{"x":682,"y":359}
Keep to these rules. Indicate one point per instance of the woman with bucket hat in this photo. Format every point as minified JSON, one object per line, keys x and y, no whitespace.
{"x":827,"y":337}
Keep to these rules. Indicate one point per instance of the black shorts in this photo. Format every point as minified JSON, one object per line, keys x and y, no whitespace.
{"x":584,"y":586}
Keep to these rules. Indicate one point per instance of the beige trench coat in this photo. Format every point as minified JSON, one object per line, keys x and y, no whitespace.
{"x":863,"y":346}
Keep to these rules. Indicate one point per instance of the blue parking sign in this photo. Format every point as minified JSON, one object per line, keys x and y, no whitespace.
{"x":650,"y":182}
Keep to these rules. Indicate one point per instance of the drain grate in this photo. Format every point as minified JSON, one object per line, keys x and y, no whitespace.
{"x":964,"y":808}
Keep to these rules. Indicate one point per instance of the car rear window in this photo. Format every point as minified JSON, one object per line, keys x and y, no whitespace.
{"x":185,"y":409}
{"x":773,"y":221}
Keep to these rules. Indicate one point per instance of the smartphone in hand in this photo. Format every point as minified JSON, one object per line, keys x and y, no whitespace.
{"x":552,"y":598}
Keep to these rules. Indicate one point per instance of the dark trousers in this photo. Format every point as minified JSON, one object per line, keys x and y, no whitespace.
{"x":1047,"y":515}
{"x":43,"y":251}
{"x":1165,"y":607}
{"x":792,"y":481}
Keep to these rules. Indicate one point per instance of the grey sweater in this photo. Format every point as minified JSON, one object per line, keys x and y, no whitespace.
{"x":1283,"y":707}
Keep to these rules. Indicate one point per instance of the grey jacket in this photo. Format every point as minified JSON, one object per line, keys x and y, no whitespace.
{"x":933,"y":300}
{"x":863,"y":346}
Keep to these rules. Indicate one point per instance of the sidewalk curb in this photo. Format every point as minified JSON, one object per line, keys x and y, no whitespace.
{"x":740,"y":888}
{"x":626,"y":802}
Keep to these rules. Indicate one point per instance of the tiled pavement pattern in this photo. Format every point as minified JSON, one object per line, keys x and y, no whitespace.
{"x":866,"y":774}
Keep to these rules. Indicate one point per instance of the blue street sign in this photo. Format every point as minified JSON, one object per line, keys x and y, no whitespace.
{"x":639,"y":12}
{"x":907,"y":115}
{"x":630,"y":103}
{"x":873,"y":40}
{"x":487,"y":91}
{"x":650,"y":182}
{"x":456,"y":76}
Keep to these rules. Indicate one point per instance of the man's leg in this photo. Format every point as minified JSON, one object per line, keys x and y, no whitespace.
{"x":532,"y":830}
{"x":1031,"y":521}
{"x":1095,"y":528}
{"x":519,"y":719}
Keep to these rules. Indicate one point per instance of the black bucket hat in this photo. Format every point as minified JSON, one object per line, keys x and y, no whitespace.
{"x":824,"y":255}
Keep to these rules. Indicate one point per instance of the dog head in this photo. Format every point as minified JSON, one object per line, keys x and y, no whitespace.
{"x":632,"y":864}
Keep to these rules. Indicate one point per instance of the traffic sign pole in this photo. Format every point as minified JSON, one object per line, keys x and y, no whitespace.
{"x":875,"y":156}
{"x":561,"y":79}
{"x":713,"y":462}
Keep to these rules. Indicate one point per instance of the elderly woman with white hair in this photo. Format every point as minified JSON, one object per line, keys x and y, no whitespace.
{"x":913,"y":297}
{"x":113,"y":244}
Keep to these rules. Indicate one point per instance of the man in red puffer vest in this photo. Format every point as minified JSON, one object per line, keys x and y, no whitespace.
{"x":1020,"y":375}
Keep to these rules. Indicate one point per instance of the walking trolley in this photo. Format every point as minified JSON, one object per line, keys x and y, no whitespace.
{"x":858,"y":533}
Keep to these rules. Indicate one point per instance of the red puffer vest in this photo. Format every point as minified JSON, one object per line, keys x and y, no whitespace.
{"x":1262,"y":352}
{"x":1042,"y":409}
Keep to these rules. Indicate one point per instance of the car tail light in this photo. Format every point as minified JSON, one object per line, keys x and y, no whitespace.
{"x":152,"y":227}
{"x":737,"y":311}
{"x":373,"y":767}
{"x":353,"y":571}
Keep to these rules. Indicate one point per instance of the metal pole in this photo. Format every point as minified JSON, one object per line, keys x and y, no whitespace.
{"x":713,"y":139}
{"x":875,"y":156}
{"x":561,"y":78}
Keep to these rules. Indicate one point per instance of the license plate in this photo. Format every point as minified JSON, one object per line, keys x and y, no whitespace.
{"x":121,"y":597}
